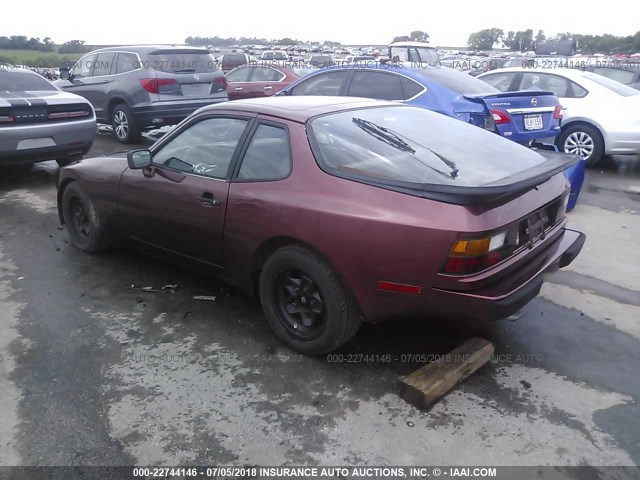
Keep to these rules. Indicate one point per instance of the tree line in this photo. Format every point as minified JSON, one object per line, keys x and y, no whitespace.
{"x":525,"y":40}
{"x":229,"y":41}
{"x":20,"y":42}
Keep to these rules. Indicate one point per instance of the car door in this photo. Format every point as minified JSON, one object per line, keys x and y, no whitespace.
{"x":264,"y":81}
{"x":178,"y":205}
{"x":238,"y":82}
{"x":79,"y":74}
{"x":96,"y":86}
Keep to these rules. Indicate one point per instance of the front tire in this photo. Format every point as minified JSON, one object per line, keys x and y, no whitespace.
{"x":82,"y":221}
{"x":125,"y":127}
{"x":306,"y":303}
{"x":582,"y":140}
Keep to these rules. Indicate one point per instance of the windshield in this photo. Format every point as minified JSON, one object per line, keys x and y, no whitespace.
{"x":612,"y":85}
{"x":183,"y":62}
{"x":24,"y":82}
{"x":457,"y":81}
{"x":408,"y":144}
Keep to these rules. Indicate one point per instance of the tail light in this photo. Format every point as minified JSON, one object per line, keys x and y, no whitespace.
{"x":221,"y":82}
{"x":500,"y":117}
{"x":71,"y":114}
{"x":7,"y":119}
{"x":152,"y":85}
{"x":474,"y":255}
{"x":557,"y":112}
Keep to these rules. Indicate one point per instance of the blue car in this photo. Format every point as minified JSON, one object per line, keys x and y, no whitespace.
{"x":520,"y":116}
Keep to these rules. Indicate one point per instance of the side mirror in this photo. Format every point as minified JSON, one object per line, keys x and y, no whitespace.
{"x":139,"y":159}
{"x":64,"y":73}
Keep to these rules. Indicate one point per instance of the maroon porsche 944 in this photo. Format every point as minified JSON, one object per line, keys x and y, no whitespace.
{"x":335,"y":211}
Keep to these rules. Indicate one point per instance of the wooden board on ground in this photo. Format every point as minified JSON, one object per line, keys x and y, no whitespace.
{"x":426,"y":385}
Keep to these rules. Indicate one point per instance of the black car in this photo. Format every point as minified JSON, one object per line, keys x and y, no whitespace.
{"x":138,"y":87}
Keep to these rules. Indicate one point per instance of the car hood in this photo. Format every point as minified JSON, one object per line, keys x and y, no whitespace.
{"x":49,"y":97}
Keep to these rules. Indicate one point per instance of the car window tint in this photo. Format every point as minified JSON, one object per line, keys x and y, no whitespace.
{"x":383,"y":86}
{"x":501,"y":81}
{"x":84,"y":67}
{"x":265,"y":74}
{"x":240,"y":74}
{"x":126,"y":62}
{"x":182,"y":62}
{"x":415,"y":145}
{"x":268,"y":156}
{"x":103,"y":65}
{"x":324,"y":84}
{"x":24,"y":82}
{"x":410,"y":88}
{"x":541,"y":81}
{"x":622,"y":76}
{"x":205,"y":148}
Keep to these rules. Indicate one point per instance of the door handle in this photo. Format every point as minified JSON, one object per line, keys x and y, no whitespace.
{"x":238,"y":89}
{"x":268,"y":87}
{"x":207,"y":200}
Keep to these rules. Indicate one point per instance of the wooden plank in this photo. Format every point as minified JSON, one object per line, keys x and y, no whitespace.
{"x":426,"y":385}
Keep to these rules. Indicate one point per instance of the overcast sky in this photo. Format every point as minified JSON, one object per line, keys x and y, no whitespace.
{"x":350,"y":22}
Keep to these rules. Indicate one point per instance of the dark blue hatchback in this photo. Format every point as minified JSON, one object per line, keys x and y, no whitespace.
{"x":519,"y":116}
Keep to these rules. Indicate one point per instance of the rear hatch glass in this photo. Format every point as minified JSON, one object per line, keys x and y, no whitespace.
{"x":419,"y":151}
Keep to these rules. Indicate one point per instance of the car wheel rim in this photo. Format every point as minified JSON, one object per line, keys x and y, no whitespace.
{"x":80,"y":219}
{"x":120,"y":124}
{"x":300,"y":305}
{"x":579,"y":143}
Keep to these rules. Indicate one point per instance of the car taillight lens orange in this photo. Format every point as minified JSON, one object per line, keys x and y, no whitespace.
{"x":474,"y":255}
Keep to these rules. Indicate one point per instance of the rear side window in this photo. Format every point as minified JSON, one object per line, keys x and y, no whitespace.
{"x":383,"y":86}
{"x":324,"y":84}
{"x":103,"y":65}
{"x":265,"y":74}
{"x":126,"y":62}
{"x":410,"y":88}
{"x":560,"y":86}
{"x":24,"y":82}
{"x":268,"y":156}
{"x":182,"y":62}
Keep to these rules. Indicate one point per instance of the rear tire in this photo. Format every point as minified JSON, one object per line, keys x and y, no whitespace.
{"x":306,"y":303}
{"x":582,"y":139}
{"x":82,"y":221}
{"x":125,"y":128}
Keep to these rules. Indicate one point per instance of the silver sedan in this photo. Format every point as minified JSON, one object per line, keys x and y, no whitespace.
{"x":600,"y":115}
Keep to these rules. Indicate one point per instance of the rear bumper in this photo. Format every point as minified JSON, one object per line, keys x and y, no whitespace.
{"x":502,"y":300}
{"x":169,"y":113}
{"x":62,"y":140}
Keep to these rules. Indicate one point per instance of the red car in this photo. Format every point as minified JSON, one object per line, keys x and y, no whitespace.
{"x":262,"y":80}
{"x":336,"y":210}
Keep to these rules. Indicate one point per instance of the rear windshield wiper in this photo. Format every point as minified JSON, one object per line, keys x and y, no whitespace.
{"x":395,"y":139}
{"x":384,"y":134}
{"x":185,"y":70}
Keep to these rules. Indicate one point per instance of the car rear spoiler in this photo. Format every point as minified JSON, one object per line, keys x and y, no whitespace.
{"x":518,"y":93}
{"x":490,"y":194}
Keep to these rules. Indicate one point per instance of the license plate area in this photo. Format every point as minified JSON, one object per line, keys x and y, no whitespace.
{"x":196,"y":89}
{"x":533,"y":122}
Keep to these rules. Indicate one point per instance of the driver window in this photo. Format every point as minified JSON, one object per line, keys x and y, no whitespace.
{"x":205,"y":148}
{"x":84,"y":67}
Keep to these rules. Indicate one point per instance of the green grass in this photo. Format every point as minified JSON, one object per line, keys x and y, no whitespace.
{"x":34,"y":58}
